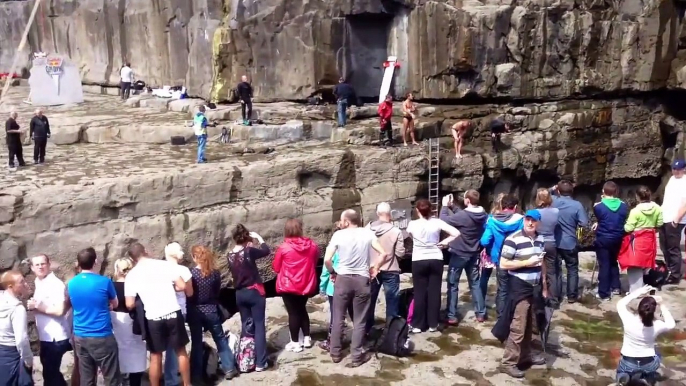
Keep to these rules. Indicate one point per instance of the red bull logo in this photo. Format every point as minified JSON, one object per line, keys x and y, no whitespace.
{"x":53,"y":66}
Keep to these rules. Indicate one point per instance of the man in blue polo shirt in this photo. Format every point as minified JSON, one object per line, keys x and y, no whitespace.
{"x":91,"y":295}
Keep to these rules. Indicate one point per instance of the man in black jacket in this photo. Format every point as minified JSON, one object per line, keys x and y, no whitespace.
{"x":14,"y":140}
{"x":40,"y":132}
{"x":345,"y":95}
{"x":244,"y":91}
{"x":464,"y":252}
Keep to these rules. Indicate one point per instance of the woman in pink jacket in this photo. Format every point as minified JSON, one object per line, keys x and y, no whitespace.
{"x":295,"y":263}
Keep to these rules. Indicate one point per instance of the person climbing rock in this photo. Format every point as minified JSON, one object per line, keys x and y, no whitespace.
{"x":498,"y":128}
{"x":244,"y":90}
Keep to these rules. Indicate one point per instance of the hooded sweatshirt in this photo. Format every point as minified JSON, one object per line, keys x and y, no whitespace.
{"x":200,"y":124}
{"x":325,"y":282}
{"x":13,"y":328}
{"x":470,"y":222}
{"x":644,"y":216}
{"x":392,"y":241}
{"x":498,"y":227}
{"x":295,"y":263}
{"x":611,"y":214}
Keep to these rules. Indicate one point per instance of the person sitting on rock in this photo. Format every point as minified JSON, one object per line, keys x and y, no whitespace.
{"x":639,"y":360}
{"x":385,"y":114}
{"x":458,"y":130}
{"x":409,"y":119}
{"x":200,"y":129}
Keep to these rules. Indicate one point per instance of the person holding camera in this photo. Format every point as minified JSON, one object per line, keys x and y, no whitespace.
{"x":522,"y":257}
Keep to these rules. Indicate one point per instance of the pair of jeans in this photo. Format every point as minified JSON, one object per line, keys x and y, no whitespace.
{"x":571,"y":260}
{"x":484,"y":277}
{"x":342,"y":106}
{"x":39,"y":145}
{"x":391,"y":289}
{"x":199,"y":321}
{"x":608,"y":269}
{"x":125,"y":90}
{"x":350,"y":290}
{"x":647,"y":366}
{"x":503,"y":280}
{"x":252,"y":305}
{"x":13,"y":370}
{"x":670,"y":244}
{"x":553,"y":272}
{"x":171,"y":366}
{"x":51,"y":354}
{"x":469,"y":264}
{"x":94,"y":353}
{"x":202,"y":144}
{"x":427,"y":278}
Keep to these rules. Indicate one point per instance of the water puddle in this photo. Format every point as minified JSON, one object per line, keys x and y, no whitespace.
{"x":390,"y":371}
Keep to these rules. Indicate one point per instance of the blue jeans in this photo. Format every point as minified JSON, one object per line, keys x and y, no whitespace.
{"x":608,"y":269}
{"x":391,"y":289}
{"x":199,"y":321}
{"x":470,"y":264}
{"x":202,"y":144}
{"x":342,"y":107}
{"x":171,"y":367}
{"x":483,"y":281}
{"x":648,"y":368}
{"x":51,"y":354}
{"x":571,"y":259}
{"x":252,"y":305}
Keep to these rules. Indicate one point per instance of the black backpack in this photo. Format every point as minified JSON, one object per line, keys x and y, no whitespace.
{"x":405,"y":298}
{"x":393,"y":340}
{"x":656,"y":277}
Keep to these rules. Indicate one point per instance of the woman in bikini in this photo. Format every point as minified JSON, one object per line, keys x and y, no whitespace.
{"x":409,"y":119}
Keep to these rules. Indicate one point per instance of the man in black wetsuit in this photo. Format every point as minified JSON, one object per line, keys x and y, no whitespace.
{"x":498,"y":127}
{"x":244,"y":91}
{"x":40,"y":132}
{"x":14,"y":140}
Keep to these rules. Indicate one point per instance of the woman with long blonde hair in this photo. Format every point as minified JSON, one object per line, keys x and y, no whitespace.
{"x":204,"y":313}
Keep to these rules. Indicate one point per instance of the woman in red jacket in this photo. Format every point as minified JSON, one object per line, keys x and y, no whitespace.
{"x":295,"y":263}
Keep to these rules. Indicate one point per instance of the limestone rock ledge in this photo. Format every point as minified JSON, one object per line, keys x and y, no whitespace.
{"x":291,"y":48}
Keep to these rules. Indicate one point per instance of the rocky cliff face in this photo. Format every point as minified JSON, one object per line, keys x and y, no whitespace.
{"x":533,"y":49}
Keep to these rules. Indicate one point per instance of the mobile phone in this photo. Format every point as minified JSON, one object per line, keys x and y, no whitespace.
{"x":652,"y":292}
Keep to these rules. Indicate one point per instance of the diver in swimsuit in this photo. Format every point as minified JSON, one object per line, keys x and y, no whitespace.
{"x":409,"y":119}
{"x":459,"y":130}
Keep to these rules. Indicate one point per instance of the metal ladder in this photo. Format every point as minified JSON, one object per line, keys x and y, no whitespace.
{"x":434,"y":170}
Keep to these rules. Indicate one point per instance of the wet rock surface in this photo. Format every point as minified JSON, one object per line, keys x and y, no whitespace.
{"x":584,"y":348}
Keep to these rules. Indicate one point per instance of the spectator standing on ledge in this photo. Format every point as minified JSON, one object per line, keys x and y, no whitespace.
{"x":39,"y":132}
{"x":344,"y":94}
{"x":611,"y":214}
{"x":674,"y":213}
{"x":49,"y":303}
{"x":13,"y":140}
{"x":16,"y":358}
{"x":571,"y":215}
{"x":126,"y":76}
{"x":386,"y":126}
{"x":200,"y":130}
{"x":244,"y":91}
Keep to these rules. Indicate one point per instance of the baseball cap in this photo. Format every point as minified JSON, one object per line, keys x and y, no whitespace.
{"x":679,"y":165}
{"x":173,"y":249}
{"x":533,"y":214}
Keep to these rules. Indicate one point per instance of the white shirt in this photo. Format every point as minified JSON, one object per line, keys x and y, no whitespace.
{"x":426,"y":234}
{"x":152,"y":280}
{"x":353,"y":246}
{"x":126,"y":74}
{"x":185,"y":274}
{"x":675,"y":198}
{"x":51,"y":291}
{"x":639,"y":340}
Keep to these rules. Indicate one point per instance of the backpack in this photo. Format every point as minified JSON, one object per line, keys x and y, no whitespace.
{"x":245,"y":355}
{"x":394,"y":339}
{"x":405,"y":298}
{"x":656,"y":277}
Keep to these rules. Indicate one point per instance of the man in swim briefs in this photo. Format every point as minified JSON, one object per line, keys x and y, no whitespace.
{"x":409,"y":118}
{"x":459,"y":130}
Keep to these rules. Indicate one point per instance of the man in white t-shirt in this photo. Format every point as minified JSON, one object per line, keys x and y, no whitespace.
{"x":126,"y":76}
{"x":352,"y":277}
{"x":173,"y":253}
{"x":49,"y":302}
{"x":151,"y":280}
{"x":674,"y":214}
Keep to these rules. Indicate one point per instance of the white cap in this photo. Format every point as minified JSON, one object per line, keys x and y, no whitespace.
{"x":173,"y":250}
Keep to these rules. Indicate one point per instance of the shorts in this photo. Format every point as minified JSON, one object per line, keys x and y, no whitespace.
{"x":165,"y":333}
{"x":408,"y":117}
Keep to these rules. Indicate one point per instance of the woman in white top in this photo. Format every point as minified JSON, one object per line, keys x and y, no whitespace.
{"x":639,"y":359}
{"x":133,"y":357}
{"x":427,"y":265}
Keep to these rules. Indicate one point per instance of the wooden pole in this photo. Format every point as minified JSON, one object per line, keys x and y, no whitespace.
{"x":22,"y":43}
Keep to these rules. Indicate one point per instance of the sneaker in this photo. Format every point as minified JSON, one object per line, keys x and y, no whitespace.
{"x":602,"y":299}
{"x":364,"y":359}
{"x":512,"y":371}
{"x":294,"y":347}
{"x":307,"y":342}
{"x":453,"y":321}
{"x":481,"y":318}
{"x":261,"y":369}
{"x":231,"y":375}
{"x":415,"y":330}
{"x":616,"y":292}
{"x":433,"y":329}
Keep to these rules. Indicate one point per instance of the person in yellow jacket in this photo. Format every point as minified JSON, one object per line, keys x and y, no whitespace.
{"x":641,"y":246}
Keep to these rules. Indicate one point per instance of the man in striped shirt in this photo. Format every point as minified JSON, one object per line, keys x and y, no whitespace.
{"x":522,"y":257}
